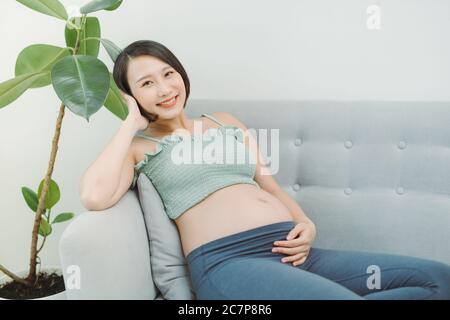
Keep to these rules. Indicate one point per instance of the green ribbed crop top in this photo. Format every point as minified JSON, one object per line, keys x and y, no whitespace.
{"x":182,"y":180}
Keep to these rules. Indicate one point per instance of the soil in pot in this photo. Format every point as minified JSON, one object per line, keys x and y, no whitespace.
{"x":48,"y":284}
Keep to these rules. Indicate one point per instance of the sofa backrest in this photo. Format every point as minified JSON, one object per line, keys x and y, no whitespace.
{"x":372,"y":175}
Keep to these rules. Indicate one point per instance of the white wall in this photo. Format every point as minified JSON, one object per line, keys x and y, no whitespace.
{"x":234,"y":49}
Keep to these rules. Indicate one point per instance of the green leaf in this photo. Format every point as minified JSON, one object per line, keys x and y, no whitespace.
{"x":70,"y":34}
{"x":76,"y":23}
{"x":82,"y":83}
{"x":63,"y":217}
{"x":114,"y":6}
{"x":53,"y":194}
{"x":44,"y":228}
{"x":13,"y":88}
{"x":114,"y":102}
{"x":112,"y":50}
{"x":49,"y":7}
{"x":91,"y":29}
{"x":96,"y":5}
{"x":39,"y":58}
{"x":31,"y":198}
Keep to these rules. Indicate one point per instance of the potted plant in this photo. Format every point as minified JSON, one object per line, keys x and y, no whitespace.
{"x":49,"y":282}
{"x":83,"y":84}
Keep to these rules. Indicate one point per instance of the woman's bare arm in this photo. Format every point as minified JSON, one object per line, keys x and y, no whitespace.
{"x":110,"y":176}
{"x":109,"y":171}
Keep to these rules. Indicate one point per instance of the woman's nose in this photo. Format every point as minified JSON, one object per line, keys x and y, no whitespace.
{"x":163,"y":89}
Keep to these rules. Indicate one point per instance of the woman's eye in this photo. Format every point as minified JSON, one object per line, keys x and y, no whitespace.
{"x":144,"y":84}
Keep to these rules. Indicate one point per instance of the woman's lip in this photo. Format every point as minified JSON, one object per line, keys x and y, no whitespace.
{"x":171,"y":105}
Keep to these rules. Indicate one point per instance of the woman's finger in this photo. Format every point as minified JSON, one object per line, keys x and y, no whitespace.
{"x":301,"y":261}
{"x":122,"y":94}
{"x":130,"y":101}
{"x":294,"y":257}
{"x":292,"y":243}
{"x":296,"y":230}
{"x":291,"y":251}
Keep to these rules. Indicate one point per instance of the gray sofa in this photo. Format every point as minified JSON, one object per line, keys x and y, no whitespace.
{"x":372,"y":175}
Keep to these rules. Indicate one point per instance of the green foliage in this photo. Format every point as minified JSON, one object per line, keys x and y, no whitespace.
{"x":97,"y":5}
{"x":53,"y":194}
{"x":81,"y":81}
{"x":91,"y":30}
{"x":52,"y":197}
{"x":49,"y":7}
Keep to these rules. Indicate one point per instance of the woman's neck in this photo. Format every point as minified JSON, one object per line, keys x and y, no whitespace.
{"x":167,"y":127}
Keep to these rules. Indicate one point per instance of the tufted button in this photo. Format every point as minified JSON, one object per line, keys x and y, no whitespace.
{"x":400,"y":190}
{"x":296,"y":187}
{"x":348,"y":144}
{"x":348,"y":190}
{"x":402,"y":145}
{"x":298,"y":142}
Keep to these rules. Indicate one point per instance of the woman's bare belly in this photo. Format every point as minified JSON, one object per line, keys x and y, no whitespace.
{"x":227,"y":211}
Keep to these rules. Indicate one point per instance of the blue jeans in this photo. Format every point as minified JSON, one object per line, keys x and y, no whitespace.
{"x":242,"y":266}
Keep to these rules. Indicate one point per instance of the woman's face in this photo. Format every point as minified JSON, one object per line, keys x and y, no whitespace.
{"x":153,"y":81}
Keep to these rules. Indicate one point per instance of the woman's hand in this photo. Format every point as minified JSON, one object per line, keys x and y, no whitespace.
{"x":298,"y":244}
{"x":134,"y":115}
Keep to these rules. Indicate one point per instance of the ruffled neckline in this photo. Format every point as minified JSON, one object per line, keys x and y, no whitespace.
{"x":174,"y":138}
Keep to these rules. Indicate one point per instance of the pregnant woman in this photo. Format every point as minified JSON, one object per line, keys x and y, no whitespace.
{"x":243,"y":236}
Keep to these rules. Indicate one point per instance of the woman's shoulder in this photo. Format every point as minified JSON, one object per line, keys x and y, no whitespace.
{"x":221,"y":115}
{"x":228,"y":119}
{"x":132,"y":149}
{"x":139,"y":146}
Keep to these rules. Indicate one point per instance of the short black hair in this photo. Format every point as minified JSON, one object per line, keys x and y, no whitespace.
{"x":146,"y":48}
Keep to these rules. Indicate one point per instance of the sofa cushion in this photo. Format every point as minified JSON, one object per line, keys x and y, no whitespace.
{"x":169,"y":266}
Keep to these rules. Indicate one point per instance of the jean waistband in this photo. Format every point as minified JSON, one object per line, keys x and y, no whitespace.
{"x":241,"y":237}
{"x":251,"y":242}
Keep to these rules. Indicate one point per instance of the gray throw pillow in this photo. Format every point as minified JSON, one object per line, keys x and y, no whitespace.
{"x":169,"y":266}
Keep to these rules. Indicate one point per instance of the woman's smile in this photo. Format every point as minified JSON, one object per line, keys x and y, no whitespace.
{"x":169,"y":103}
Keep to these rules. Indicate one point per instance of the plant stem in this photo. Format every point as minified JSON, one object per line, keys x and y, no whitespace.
{"x":14,"y":277}
{"x":71,"y":24}
{"x":45,"y":237}
{"x":37,"y":219}
{"x":42,"y":245}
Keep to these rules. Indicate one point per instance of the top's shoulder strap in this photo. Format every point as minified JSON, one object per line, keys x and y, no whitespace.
{"x":213,"y":119}
{"x":148,"y":137}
